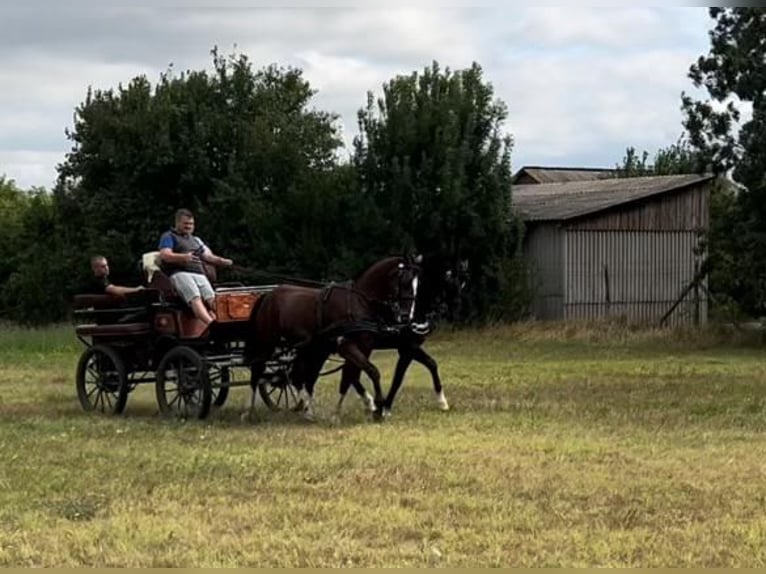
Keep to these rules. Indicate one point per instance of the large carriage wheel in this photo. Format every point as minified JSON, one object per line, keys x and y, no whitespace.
{"x":277,"y":391}
{"x":219,"y":382}
{"x":183,"y":387}
{"x":101,"y":381}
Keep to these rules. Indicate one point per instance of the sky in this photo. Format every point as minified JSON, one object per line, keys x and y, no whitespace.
{"x":581,"y":84}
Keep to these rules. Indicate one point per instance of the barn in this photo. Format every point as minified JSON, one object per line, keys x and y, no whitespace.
{"x":605,"y":246}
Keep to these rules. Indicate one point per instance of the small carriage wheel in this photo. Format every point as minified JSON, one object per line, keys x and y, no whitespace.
{"x":102,"y":383}
{"x":183,"y":387}
{"x":220,"y":393}
{"x":279,"y":394}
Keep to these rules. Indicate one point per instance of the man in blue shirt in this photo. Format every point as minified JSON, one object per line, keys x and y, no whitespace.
{"x":182,"y":254}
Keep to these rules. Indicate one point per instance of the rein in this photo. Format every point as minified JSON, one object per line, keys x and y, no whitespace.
{"x":276,"y":277}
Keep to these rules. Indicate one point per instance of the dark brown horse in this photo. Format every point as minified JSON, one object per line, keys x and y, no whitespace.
{"x":408,"y":339}
{"x":340,"y":318}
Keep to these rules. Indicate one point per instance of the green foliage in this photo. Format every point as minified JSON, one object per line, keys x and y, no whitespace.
{"x":239,"y":147}
{"x":258,"y":165}
{"x":434,"y":174}
{"x":678,"y":158}
{"x":31,"y":292}
{"x":734,"y":72}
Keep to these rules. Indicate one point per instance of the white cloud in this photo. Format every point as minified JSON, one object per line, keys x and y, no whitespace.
{"x":580,"y":83}
{"x":30,"y":168}
{"x":608,"y":27}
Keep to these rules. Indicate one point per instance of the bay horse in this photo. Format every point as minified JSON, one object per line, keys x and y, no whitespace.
{"x":339,"y":318}
{"x":408,"y":339}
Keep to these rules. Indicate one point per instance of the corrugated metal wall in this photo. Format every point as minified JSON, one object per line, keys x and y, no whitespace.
{"x":544,"y":250}
{"x":638,"y":275}
{"x":633,"y":262}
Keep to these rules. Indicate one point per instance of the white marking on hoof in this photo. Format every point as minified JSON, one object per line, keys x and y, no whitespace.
{"x":369,"y":402}
{"x":385,"y":413}
{"x":441,"y":402}
{"x":308,"y":408}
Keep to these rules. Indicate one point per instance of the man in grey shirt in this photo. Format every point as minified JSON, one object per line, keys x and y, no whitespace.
{"x":182,"y":254}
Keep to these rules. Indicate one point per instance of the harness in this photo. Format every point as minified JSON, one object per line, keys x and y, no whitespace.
{"x":349,"y":325}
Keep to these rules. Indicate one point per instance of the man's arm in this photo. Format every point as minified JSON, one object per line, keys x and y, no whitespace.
{"x":209,"y":257}
{"x":214,"y":259}
{"x":168,"y":256}
{"x":118,"y":290}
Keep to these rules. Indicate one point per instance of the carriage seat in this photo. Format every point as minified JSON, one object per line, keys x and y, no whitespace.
{"x":114,"y":309}
{"x":155,"y":278}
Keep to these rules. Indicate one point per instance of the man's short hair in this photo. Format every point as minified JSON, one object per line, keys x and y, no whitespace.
{"x":183,"y":212}
{"x":96,"y":258}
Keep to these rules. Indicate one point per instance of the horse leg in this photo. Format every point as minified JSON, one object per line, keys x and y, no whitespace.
{"x":429,"y":363}
{"x":367,"y":398}
{"x":402,"y":364}
{"x":350,"y":378}
{"x":350,"y":351}
{"x":310,"y":364}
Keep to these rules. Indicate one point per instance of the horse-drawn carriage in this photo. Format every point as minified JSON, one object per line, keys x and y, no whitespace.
{"x":152,"y":337}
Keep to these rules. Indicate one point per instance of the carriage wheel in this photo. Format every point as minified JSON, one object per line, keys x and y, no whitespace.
{"x":278,"y":392}
{"x":219,"y":381}
{"x":102,"y":383}
{"x":183,"y":387}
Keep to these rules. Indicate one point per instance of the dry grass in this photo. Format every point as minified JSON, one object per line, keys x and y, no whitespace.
{"x":567,"y":445}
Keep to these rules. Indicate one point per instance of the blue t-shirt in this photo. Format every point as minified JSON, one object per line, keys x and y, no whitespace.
{"x":178,"y":243}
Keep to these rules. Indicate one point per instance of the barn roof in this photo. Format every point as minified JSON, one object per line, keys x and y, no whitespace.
{"x":562,"y":174}
{"x":562,"y":201}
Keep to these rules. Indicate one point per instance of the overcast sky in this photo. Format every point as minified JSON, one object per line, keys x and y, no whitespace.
{"x":581,"y":84}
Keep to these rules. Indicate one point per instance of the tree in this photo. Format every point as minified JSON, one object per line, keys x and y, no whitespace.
{"x":678,"y":158}
{"x":241,"y":148}
{"x":30,"y":283}
{"x":435,"y":176}
{"x":13,"y":204}
{"x":734,"y":73}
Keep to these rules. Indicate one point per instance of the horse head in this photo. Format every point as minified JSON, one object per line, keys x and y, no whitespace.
{"x":392,"y":284}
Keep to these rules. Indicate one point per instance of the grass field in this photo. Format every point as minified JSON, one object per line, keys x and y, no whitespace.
{"x":565,"y":446}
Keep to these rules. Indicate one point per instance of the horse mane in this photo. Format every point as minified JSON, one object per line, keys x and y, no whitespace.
{"x":378,"y":263}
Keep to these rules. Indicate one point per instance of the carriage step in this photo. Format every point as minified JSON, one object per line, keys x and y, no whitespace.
{"x":118,"y":330}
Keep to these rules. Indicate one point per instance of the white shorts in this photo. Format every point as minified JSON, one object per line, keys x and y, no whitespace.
{"x":192,"y":285}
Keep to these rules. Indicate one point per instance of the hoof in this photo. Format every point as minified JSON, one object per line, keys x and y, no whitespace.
{"x":380,"y":415}
{"x":441,"y":402}
{"x":369,"y":403}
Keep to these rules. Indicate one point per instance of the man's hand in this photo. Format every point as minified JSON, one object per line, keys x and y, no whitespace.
{"x":226,"y":262}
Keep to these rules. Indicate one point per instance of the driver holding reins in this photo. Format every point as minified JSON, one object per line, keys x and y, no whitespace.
{"x":182,"y":254}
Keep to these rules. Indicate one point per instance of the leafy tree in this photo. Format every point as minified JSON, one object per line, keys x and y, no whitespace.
{"x":435,"y":176}
{"x":241,"y":148}
{"x":734,"y":73}
{"x":678,"y":158}
{"x":30,"y":290}
{"x":13,"y":203}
